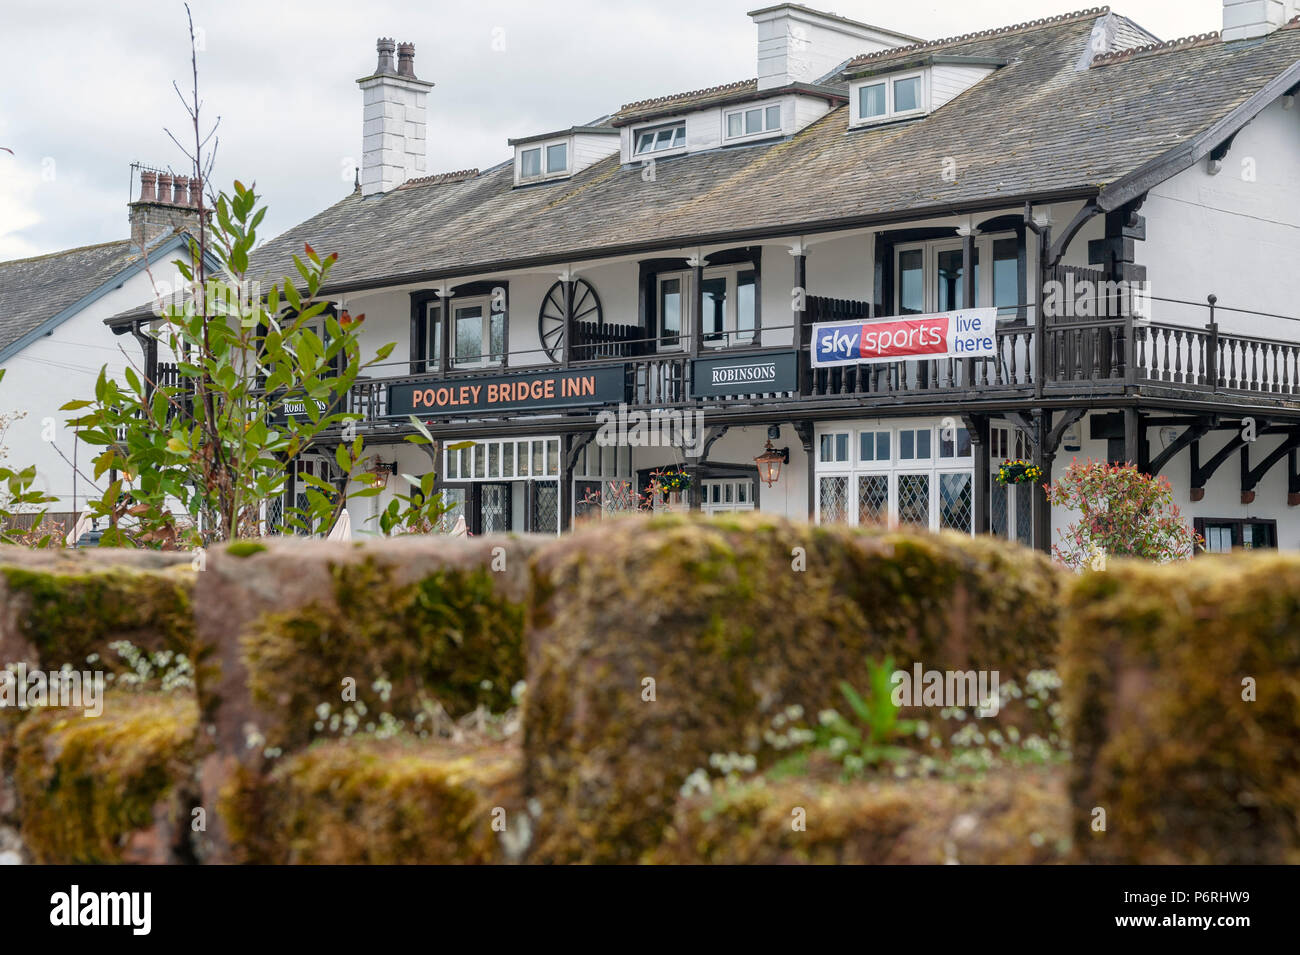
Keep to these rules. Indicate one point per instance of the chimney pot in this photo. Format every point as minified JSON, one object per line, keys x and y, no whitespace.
{"x":385,"y":47}
{"x":196,"y":193}
{"x":181,"y":186}
{"x":148,"y":185}
{"x":165,"y":187}
{"x":406,"y":59}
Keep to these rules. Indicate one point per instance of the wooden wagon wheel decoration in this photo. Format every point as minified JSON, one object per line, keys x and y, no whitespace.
{"x":550,"y":317}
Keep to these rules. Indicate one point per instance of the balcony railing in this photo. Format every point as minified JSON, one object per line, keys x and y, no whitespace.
{"x":1092,"y":356}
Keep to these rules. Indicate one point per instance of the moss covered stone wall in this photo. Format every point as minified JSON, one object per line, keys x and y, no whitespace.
{"x":732,"y":620}
{"x":1182,"y":695}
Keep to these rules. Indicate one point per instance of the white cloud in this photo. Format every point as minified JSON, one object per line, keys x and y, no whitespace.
{"x":90,"y":84}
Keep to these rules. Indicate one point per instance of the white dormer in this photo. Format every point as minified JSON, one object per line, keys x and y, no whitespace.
{"x":561,"y":154}
{"x":910,"y":87}
{"x":735,"y":115}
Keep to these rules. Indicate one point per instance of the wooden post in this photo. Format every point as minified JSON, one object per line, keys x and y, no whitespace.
{"x":978,"y":426}
{"x":1040,"y":313}
{"x":566,"y":477}
{"x":968,"y":290}
{"x":697,"y":308}
{"x":566,"y":349}
{"x":1133,"y":438}
{"x":1044,"y":457}
{"x":1212,"y":348}
{"x":800,"y":301}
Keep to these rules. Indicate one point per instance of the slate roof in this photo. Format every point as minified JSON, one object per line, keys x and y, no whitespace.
{"x":1043,"y":126}
{"x":35,"y":290}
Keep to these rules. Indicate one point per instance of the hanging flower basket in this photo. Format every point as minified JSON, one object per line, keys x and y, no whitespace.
{"x":1018,"y":472}
{"x":672,"y":481}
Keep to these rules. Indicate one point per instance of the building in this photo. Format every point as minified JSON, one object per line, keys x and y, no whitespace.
{"x":53,"y":341}
{"x":704,"y":257}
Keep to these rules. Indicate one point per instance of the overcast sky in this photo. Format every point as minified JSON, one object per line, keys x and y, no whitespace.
{"x":87,"y":87}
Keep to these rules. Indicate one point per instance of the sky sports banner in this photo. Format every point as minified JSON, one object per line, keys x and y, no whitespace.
{"x":965,"y":333}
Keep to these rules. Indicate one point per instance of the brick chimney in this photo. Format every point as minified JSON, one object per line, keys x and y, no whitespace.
{"x":392,"y":143}
{"x":166,"y":202}
{"x":1245,"y":19}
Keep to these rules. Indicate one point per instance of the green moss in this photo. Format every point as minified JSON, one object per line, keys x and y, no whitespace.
{"x":364,"y":801}
{"x":1153,"y":661}
{"x":733,"y":620}
{"x":1009,"y":819}
{"x":67,"y":616}
{"x":86,"y":784}
{"x":448,"y":637}
{"x":245,"y":548}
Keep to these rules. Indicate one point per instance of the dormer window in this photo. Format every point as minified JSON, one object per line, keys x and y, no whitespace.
{"x":541,"y":161}
{"x":883,"y":98}
{"x":659,"y":139}
{"x":751,"y":122}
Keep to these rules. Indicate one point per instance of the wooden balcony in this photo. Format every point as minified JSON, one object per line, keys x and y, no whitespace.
{"x":1079,"y":358}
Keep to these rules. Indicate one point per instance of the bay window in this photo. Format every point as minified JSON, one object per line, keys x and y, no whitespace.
{"x":886,"y":476}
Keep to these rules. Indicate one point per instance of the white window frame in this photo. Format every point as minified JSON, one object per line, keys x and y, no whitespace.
{"x":657,"y":127}
{"x":934,"y":467}
{"x":453,"y":306}
{"x":889,"y":79}
{"x":466,"y":459}
{"x":542,"y":145}
{"x":930,"y":250}
{"x":735,"y":488}
{"x":765,"y":133}
{"x":730,"y":334}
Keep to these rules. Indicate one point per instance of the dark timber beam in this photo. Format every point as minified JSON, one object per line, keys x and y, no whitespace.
{"x":806,"y":432}
{"x":1081,"y":218}
{"x":713,"y":434}
{"x":978,"y":426}
{"x":1250,"y":477}
{"x":1201,"y":473}
{"x":1191,"y":434}
{"x":1292,"y":478}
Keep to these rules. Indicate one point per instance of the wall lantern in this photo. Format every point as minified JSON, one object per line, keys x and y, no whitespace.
{"x":770,"y":461}
{"x":379,"y":470}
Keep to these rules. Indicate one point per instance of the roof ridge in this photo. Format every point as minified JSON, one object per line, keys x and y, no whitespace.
{"x":1179,"y":43}
{"x":80,"y":248}
{"x":1085,"y":14}
{"x":460,"y":175}
{"x":640,"y":104}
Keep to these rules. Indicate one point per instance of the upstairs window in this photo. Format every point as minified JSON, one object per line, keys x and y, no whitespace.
{"x":658,"y":139}
{"x":541,"y":161}
{"x":752,"y":121}
{"x":877,"y":100}
{"x":479,"y":334}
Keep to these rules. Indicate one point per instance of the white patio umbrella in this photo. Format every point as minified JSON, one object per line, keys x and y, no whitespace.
{"x":342,"y":531}
{"x":83,"y":524}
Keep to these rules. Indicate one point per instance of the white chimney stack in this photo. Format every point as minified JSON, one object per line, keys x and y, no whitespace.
{"x":800,"y":45}
{"x":1244,"y":19}
{"x":393,"y":143}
